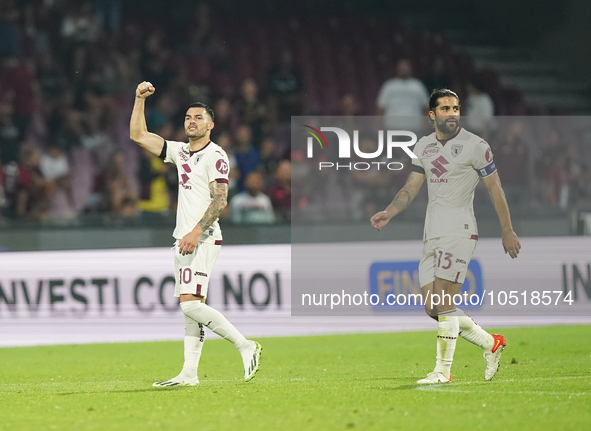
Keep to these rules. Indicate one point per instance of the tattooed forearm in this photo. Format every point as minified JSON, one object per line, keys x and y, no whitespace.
{"x":402,"y":199}
{"x":219,"y":193}
{"x":406,"y":195}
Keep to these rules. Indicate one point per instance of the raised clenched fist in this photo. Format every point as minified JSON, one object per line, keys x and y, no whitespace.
{"x":144,"y":90}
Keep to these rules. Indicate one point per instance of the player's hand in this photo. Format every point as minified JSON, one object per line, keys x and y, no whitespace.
{"x":379,"y":220}
{"x":189,"y":241}
{"x":511,"y":244}
{"x":145,"y":89}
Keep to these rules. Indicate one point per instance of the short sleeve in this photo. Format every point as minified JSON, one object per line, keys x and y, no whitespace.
{"x":482,"y":159}
{"x":172,"y":149}
{"x":417,"y":165}
{"x":218,"y":167}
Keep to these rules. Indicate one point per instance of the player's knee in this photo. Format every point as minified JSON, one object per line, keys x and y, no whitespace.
{"x":431,"y":312}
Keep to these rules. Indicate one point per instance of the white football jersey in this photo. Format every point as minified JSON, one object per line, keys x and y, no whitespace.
{"x":453,"y":169}
{"x":196,"y":170}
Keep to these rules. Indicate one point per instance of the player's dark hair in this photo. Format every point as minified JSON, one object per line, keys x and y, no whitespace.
{"x":439,"y":93}
{"x":204,"y":106}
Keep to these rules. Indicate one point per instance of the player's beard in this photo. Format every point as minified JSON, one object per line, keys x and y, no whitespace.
{"x":196,"y":134}
{"x":448,"y":128}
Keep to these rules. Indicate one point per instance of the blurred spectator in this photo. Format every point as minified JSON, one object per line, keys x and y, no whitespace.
{"x":154,"y":197}
{"x":120,"y":197}
{"x":55,"y":167}
{"x":577,"y":178}
{"x":226,"y":120}
{"x":550,"y":170}
{"x":480,"y":110}
{"x":52,"y":80}
{"x":200,"y":33}
{"x":511,"y":158}
{"x":251,"y":110}
{"x":247,"y":156}
{"x":155,"y":63}
{"x":3,"y":198}
{"x":10,"y":137}
{"x":280,"y":192}
{"x":437,"y":76}
{"x":268,"y":163}
{"x":28,"y":192}
{"x":252,"y":205}
{"x":9,"y":32}
{"x":17,"y":83}
{"x":325,"y":196}
{"x":225,"y":141}
{"x":348,"y":106}
{"x":403,"y":96}
{"x":286,"y":89}
{"x":79,"y":25}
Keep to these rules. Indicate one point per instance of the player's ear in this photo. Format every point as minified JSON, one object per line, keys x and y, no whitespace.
{"x":432,"y":115}
{"x":210,"y":125}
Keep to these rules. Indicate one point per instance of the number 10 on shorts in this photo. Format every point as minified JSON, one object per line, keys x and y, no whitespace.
{"x":185,"y":275}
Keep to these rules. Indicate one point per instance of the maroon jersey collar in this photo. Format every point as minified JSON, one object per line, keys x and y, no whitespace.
{"x":445,"y":141}
{"x":194,"y":152}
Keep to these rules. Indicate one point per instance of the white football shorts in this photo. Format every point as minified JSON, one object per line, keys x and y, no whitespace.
{"x":446,"y":258}
{"x":193,"y":271}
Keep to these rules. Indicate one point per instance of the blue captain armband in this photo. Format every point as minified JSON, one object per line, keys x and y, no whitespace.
{"x":487,"y":170}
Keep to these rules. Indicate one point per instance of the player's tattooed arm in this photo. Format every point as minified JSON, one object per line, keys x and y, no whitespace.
{"x":219,"y":193}
{"x":407,"y":194}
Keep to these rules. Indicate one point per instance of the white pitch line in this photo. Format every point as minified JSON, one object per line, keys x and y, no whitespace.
{"x":446,"y":387}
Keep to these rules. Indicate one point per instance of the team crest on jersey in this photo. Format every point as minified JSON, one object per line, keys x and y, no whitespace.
{"x":489,"y":155}
{"x":222,"y":166}
{"x":456,"y":149}
{"x":196,"y":160}
{"x":430,"y":150}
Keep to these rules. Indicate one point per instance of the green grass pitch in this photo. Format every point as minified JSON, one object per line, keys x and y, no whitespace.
{"x":364,"y":381}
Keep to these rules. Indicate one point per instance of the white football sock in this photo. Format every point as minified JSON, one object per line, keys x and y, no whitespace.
{"x":194,"y":337}
{"x":472,"y":332}
{"x":214,"y":320}
{"x":447,"y":335}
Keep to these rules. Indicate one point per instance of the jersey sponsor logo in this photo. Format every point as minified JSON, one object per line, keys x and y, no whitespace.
{"x":488,"y":155}
{"x":222,"y":166}
{"x":438,"y":169}
{"x":183,"y":157}
{"x":201,"y":274}
{"x":430,"y":150}
{"x":456,"y":149}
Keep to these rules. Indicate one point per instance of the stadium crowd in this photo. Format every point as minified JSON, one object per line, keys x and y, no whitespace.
{"x":69,"y":70}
